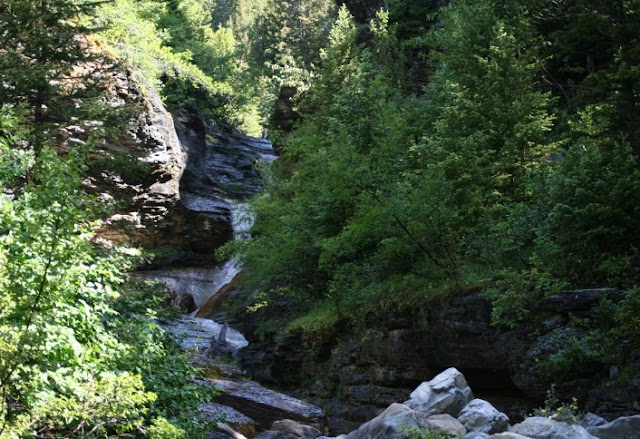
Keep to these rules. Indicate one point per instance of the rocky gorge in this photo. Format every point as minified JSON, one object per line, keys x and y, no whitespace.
{"x":195,"y":172}
{"x":374,"y":368}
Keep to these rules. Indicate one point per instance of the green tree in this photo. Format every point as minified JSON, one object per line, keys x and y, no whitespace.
{"x":490,"y":123}
{"x":287,"y":37}
{"x":69,"y":366}
{"x":44,"y":62}
{"x":589,"y":235}
{"x":594,"y":61}
{"x":349,"y":213}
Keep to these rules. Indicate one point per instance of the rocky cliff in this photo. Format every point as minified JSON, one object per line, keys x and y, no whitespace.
{"x":356,"y":372}
{"x":172,"y":180}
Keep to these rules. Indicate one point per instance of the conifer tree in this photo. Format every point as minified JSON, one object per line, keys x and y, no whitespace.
{"x":491,"y":123}
{"x":41,"y":47}
{"x":595,"y":62}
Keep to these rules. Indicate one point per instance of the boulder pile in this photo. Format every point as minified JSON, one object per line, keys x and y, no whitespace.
{"x":446,"y":408}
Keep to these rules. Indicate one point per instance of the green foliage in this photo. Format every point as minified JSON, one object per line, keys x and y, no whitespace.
{"x":589,"y":231}
{"x":380,"y":194}
{"x":288,"y":35}
{"x":162,"y":429}
{"x":172,"y":45}
{"x":165,"y":371}
{"x":347,"y":212}
{"x":595,"y":61}
{"x":561,"y":412}
{"x":14,"y":161}
{"x":41,"y":52}
{"x":627,"y":317}
{"x":88,"y":405}
{"x":55,"y":291}
{"x":144,"y":297}
{"x":514,"y":295}
{"x":491,"y":127}
{"x":74,"y":360}
{"x":573,"y":355}
{"x":132,"y":32}
{"x":422,"y":433}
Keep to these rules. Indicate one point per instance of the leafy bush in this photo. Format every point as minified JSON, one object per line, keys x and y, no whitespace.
{"x":514,"y":295}
{"x":75,"y":360}
{"x":559,"y":411}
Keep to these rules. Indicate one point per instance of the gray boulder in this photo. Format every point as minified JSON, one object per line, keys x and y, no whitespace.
{"x":298,"y":430}
{"x":447,"y":393}
{"x":621,"y":428}
{"x":592,"y":420}
{"x":545,"y":428}
{"x":233,"y":420}
{"x":481,"y":416}
{"x":390,"y":424}
{"x":272,"y":434}
{"x":508,"y":435}
{"x":266,"y":406}
{"x":445,"y":423}
{"x":225,"y":432}
{"x":476,"y":435}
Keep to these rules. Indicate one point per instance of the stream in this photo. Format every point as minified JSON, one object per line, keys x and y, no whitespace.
{"x":222,"y":171}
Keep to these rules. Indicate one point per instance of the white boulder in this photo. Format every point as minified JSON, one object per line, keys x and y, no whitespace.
{"x":545,"y":428}
{"x":479,"y":415}
{"x":447,"y":393}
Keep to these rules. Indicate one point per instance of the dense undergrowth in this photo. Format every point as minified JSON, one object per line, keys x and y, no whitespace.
{"x":80,"y":356}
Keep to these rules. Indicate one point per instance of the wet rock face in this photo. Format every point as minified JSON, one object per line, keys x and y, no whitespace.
{"x":141,"y":171}
{"x":173,"y":179}
{"x":405,"y":348}
{"x":192,"y":333}
{"x":222,"y":167}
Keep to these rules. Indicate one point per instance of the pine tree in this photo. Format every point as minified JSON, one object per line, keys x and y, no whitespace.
{"x":290,"y":33}
{"x":490,"y":121}
{"x":41,"y":46}
{"x":595,"y":60}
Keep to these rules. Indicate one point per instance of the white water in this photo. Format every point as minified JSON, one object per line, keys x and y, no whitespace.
{"x":242,"y":220}
{"x":193,"y":332}
{"x":202,"y":283}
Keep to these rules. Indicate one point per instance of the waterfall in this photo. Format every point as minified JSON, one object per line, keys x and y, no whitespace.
{"x":241,"y":222}
{"x":218,"y":176}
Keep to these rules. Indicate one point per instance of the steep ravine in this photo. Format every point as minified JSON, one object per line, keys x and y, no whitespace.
{"x":197,"y":171}
{"x":178,"y":185}
{"x":220,"y":173}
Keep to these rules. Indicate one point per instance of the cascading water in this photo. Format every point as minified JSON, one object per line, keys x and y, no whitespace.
{"x":217,"y":178}
{"x":191,"y":331}
{"x":241,"y":222}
